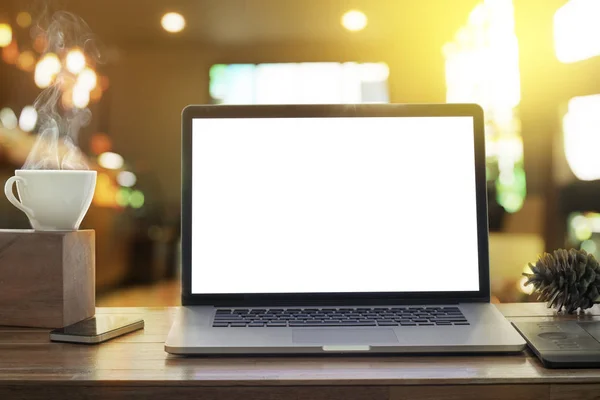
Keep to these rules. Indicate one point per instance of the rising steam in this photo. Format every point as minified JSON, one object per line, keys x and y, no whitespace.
{"x":56,"y":144}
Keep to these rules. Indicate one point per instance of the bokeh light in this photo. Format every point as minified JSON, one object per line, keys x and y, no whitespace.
{"x":110,"y":160}
{"x":39,"y":43}
{"x":122,"y":197}
{"x":136,"y":199}
{"x":10,"y":53}
{"x":81,"y":96}
{"x":46,"y":70}
{"x":589,"y":246}
{"x":354,"y":20}
{"x":26,"y":61}
{"x":5,"y":35}
{"x":75,"y":61}
{"x":100,"y":143}
{"x":581,"y":138}
{"x":87,"y":79}
{"x":576,"y":30}
{"x":28,"y":119}
{"x":8,"y":118}
{"x":173,"y":22}
{"x":24,"y":19}
{"x":126,"y":178}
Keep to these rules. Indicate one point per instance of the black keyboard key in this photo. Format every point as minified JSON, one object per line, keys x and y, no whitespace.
{"x":442,"y":323}
{"x":309,"y":310}
{"x":258,"y":311}
{"x":237,"y":325}
{"x":408,"y":324}
{"x":346,"y":309}
{"x":420,"y":320}
{"x":220,"y":325}
{"x":461,"y":323}
{"x":380,"y":309}
{"x":222,"y":311}
{"x":255,"y":325}
{"x":392,"y":323}
{"x":426,"y":324}
{"x":274,"y":310}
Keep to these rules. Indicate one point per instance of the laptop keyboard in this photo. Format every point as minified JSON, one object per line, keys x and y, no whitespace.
{"x":346,"y":316}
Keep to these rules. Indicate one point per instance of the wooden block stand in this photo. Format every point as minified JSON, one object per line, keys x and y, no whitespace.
{"x":47,"y":279}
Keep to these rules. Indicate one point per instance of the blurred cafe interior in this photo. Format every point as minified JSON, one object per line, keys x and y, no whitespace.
{"x":533,"y":65}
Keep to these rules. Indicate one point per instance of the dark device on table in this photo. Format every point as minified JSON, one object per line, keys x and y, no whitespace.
{"x":97,"y":329}
{"x":563,"y":344}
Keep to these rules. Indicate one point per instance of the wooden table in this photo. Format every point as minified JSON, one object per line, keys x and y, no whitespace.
{"x":136,"y":367}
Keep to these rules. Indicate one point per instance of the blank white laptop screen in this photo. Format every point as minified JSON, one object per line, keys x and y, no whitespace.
{"x":320,"y":205}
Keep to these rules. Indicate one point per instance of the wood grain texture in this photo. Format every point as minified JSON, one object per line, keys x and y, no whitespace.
{"x":46,"y":278}
{"x":136,"y":366}
{"x":183,"y":393}
{"x":473,"y":392}
{"x":579,"y":392}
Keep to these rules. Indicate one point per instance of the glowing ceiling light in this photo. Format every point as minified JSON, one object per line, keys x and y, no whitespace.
{"x":576,"y":31}
{"x":75,"y":61}
{"x":581,"y":138}
{"x":24,"y":19}
{"x":126,"y":178}
{"x":28,"y":119}
{"x":8,"y":118}
{"x":46,"y":70}
{"x":110,"y":160}
{"x":81,"y":96}
{"x":87,"y":79}
{"x":173,"y":22}
{"x":5,"y":35}
{"x":354,"y":20}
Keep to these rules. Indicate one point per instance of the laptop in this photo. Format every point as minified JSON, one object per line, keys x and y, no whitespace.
{"x":327,"y":229}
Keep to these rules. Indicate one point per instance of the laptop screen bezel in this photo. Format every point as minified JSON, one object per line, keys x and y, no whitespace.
{"x":332,"y":111}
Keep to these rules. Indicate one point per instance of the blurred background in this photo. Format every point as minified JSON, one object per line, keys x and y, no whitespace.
{"x":532,"y":65}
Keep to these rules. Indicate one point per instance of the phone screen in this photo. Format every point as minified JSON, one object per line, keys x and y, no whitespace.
{"x":98,"y":325}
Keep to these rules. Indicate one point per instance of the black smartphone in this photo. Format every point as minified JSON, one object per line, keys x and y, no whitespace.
{"x":97,"y":329}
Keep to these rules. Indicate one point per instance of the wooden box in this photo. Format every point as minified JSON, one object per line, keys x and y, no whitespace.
{"x":47,"y":279}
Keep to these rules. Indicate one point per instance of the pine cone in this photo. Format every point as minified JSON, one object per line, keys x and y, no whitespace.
{"x":569,"y":279}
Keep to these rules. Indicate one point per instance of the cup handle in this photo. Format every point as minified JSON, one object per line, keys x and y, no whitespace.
{"x":8,"y":191}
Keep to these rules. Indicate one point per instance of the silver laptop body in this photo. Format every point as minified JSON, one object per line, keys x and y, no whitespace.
{"x":324,"y":229}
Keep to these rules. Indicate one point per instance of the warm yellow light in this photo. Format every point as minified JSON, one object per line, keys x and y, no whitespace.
{"x":354,"y":20}
{"x":28,"y":119}
{"x":5,"y":35}
{"x":374,"y":72}
{"x":87,"y":79}
{"x":524,"y":289}
{"x":75,"y":61}
{"x":8,"y":118}
{"x":576,"y":30}
{"x":26,"y":61}
{"x":46,"y":70}
{"x":110,"y":160}
{"x":173,"y":22}
{"x":81,"y":96}
{"x":581,"y":138}
{"x":24,"y":19}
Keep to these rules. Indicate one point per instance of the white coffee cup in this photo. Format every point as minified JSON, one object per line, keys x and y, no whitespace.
{"x":53,"y":200}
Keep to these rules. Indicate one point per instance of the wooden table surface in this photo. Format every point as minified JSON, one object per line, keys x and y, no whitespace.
{"x":136,"y":366}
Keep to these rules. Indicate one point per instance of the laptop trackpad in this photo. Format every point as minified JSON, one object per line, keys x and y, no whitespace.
{"x":344,"y":336}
